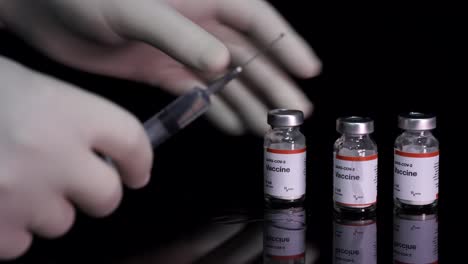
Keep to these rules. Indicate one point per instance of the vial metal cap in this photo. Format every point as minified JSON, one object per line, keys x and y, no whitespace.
{"x":355,"y":125}
{"x":285,"y":117}
{"x":416,"y":121}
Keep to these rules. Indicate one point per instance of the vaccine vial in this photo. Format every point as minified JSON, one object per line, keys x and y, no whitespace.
{"x":415,"y":237}
{"x":355,"y":166}
{"x":284,"y":158}
{"x":416,"y":162}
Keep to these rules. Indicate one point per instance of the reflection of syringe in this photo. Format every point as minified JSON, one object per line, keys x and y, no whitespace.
{"x":191,"y":105}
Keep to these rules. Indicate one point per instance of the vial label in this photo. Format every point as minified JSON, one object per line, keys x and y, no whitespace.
{"x":355,"y":243}
{"x":416,"y":177}
{"x":355,"y":180}
{"x":285,"y":173}
{"x":415,"y":241}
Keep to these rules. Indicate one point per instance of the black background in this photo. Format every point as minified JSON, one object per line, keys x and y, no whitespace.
{"x":378,"y":61}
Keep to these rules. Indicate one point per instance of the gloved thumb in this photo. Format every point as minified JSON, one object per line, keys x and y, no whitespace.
{"x":160,"y":25}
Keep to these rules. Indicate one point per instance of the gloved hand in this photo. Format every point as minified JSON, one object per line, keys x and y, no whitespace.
{"x":50,"y":133}
{"x":175,"y":44}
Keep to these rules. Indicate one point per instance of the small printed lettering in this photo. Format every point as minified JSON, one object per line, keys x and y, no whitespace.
{"x":404,"y":164}
{"x":344,"y":168}
{"x":402,"y":254}
{"x":276,"y":161}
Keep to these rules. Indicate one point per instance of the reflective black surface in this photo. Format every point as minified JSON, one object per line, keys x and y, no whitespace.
{"x":221,"y":218}
{"x":204,"y":203}
{"x":354,"y":239}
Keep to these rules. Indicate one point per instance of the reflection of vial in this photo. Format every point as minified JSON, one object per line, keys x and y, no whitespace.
{"x":284,"y":158}
{"x":355,"y":166}
{"x":354,"y":240}
{"x":416,"y":162}
{"x":415,"y":238}
{"x":284,"y":236}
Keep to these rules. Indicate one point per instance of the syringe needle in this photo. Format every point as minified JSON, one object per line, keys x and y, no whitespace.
{"x":218,"y":84}
{"x":264,"y":50}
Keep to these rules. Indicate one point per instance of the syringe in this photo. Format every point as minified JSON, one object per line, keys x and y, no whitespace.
{"x":188,"y":107}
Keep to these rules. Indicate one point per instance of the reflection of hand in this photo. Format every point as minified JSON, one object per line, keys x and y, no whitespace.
{"x":213,"y":244}
{"x":132,"y":39}
{"x":49,"y":134}
{"x":217,"y":243}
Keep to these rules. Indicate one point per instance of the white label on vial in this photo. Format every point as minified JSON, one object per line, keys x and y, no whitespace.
{"x":355,"y":180}
{"x":355,"y":243}
{"x":415,"y":241}
{"x":416,"y":177}
{"x":285,"y":173}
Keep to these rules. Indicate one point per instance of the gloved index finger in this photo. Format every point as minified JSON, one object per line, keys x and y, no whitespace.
{"x":261,"y":21}
{"x":163,"y":27}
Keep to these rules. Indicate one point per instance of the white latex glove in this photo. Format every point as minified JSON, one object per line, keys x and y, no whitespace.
{"x":175,"y":44}
{"x":49,"y":134}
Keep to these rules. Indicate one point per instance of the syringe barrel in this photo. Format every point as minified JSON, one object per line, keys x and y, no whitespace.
{"x":177,"y":115}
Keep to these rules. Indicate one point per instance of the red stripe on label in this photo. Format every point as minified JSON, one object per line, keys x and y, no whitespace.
{"x":372,"y":157}
{"x":416,"y":155}
{"x":299,"y":256}
{"x":347,"y":204}
{"x":286,"y":151}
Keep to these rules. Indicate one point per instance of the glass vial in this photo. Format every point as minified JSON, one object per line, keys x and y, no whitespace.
{"x":415,"y":237}
{"x":416,"y":162}
{"x":355,"y":166}
{"x":354,"y":239}
{"x":284,"y":157}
